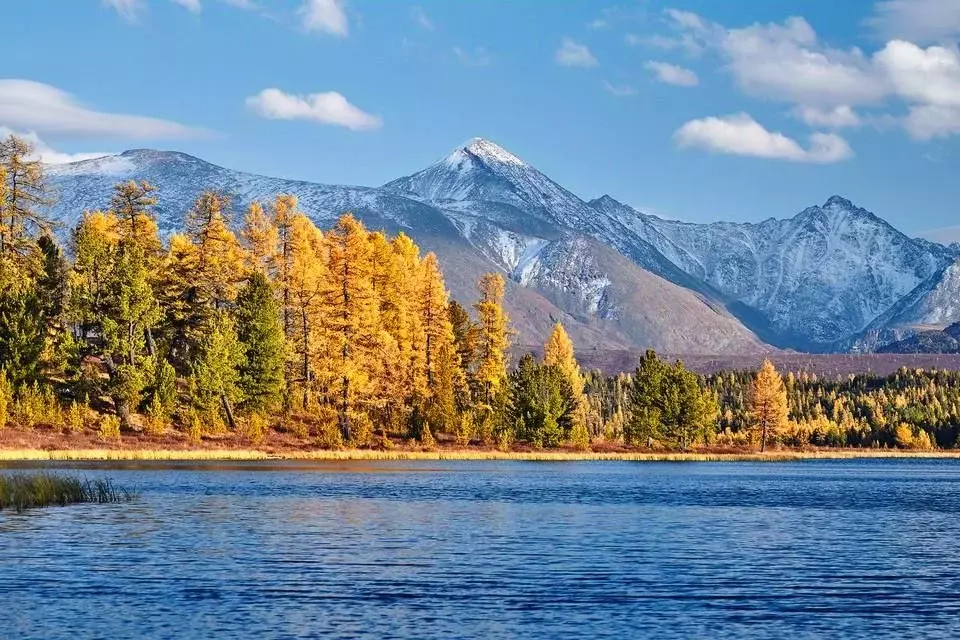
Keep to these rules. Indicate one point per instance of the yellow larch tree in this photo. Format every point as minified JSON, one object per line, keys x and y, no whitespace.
{"x":390,"y":279}
{"x":307,"y":278}
{"x":284,"y":209}
{"x":493,"y":335}
{"x":260,"y":239}
{"x":351,"y":316}
{"x":132,"y":203}
{"x":221,"y":259}
{"x":435,"y":343}
{"x":767,"y":405}
{"x":558,"y":352}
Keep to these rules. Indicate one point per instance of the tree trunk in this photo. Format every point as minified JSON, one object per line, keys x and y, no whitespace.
{"x":120,"y":404}
{"x":227,"y":409}
{"x":306,"y":359}
{"x":151,"y":345}
{"x":344,"y":416}
{"x":763,"y":436}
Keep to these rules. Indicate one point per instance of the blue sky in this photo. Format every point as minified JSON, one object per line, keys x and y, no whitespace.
{"x":693,"y":109}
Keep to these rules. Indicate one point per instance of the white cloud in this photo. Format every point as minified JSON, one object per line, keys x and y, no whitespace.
{"x":599,"y":23}
{"x":572,"y":54}
{"x":925,"y":122}
{"x":929,"y":79}
{"x":929,"y":75}
{"x":34,"y":106}
{"x":619,"y":90}
{"x":479,"y":57}
{"x":327,"y":16}
{"x":922,"y":21}
{"x":739,"y":134}
{"x":129,"y":10}
{"x":787,"y":62}
{"x":193,"y":6}
{"x":688,"y":20}
{"x":835,"y":118}
{"x":673,"y":74}
{"x":43,"y":152}
{"x":685,"y":42}
{"x":329,"y":108}
{"x":421,"y":18}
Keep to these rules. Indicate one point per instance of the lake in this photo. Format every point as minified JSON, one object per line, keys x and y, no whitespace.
{"x":818,"y":549}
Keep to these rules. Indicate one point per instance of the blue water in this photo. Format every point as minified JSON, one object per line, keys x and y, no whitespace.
{"x":844,"y":549}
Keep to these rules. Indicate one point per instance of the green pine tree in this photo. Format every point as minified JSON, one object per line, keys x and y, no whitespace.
{"x":260,"y":332}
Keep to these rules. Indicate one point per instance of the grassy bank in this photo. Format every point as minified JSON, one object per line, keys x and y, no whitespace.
{"x":15,"y":455}
{"x":20,"y":491}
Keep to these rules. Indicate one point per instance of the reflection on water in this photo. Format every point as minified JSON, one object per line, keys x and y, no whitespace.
{"x":493,"y":549}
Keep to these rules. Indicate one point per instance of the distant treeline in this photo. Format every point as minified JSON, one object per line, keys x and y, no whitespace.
{"x":266,"y":325}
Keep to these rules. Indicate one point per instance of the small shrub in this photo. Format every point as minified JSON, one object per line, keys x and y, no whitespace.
{"x":579,"y":436}
{"x":76,"y":418}
{"x":427,"y":440}
{"x":109,"y":428}
{"x":505,"y":439}
{"x":361,"y":429}
{"x":157,"y":422}
{"x":194,"y":427}
{"x":213,"y":424}
{"x":36,"y":405}
{"x":255,"y":428}
{"x":463,"y":428}
{"x":328,"y":429}
{"x":298,"y":428}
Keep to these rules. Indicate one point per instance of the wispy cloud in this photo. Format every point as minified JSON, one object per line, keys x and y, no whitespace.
{"x":619,"y":90}
{"x":129,"y":10}
{"x":45,"y":153}
{"x":478,"y":57}
{"x":673,"y":74}
{"x":421,"y":18}
{"x":328,"y":108}
{"x":33,"y":106}
{"x":573,"y":54}
{"x":327,"y":16}
{"x":921,"y":21}
{"x":193,"y":6}
{"x":740,"y":134}
{"x":838,"y":117}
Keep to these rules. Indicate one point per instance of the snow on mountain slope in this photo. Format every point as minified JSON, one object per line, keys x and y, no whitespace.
{"x":526,"y":232}
{"x":481,"y":172}
{"x":815,"y":281}
{"x":818,"y":277}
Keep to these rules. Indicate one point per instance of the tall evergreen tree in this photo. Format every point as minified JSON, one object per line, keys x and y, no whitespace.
{"x":260,"y":332}
{"x":216,"y":373}
{"x":541,"y":402}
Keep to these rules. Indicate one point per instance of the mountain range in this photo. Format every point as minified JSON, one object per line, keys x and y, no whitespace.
{"x":831,"y":278}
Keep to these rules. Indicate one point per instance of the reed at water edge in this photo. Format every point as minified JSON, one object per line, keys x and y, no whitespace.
{"x":25,"y":491}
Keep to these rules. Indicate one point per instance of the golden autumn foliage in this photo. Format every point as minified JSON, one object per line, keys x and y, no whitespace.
{"x":768,"y":403}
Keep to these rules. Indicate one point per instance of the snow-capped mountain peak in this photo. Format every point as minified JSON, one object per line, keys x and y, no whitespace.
{"x":488,"y":151}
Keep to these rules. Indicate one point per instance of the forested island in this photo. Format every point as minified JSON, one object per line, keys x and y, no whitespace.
{"x":260,"y":328}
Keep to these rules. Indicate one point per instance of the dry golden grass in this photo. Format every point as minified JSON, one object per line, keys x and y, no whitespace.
{"x":12,"y":455}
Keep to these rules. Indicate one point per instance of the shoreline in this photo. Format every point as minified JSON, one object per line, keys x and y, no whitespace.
{"x":252,"y":455}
